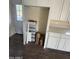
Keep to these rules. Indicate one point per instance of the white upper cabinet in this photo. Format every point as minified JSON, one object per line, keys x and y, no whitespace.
{"x":65,"y":15}
{"x":41,"y":3}
{"x":59,"y":10}
{"x":55,"y":9}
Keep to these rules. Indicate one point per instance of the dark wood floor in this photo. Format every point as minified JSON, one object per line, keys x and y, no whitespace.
{"x":32,"y":51}
{"x":16,"y":45}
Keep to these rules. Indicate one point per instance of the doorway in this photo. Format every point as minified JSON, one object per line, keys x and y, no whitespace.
{"x":38,"y":14}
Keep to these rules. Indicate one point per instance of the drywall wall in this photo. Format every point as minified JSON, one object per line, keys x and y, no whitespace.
{"x":18,"y":24}
{"x":11,"y":21}
{"x":43,"y":19}
{"x":38,"y":14}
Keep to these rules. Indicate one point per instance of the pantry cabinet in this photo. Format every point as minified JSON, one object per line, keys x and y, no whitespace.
{"x":32,"y":29}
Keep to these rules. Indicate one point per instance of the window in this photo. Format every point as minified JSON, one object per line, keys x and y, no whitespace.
{"x":19,"y":12}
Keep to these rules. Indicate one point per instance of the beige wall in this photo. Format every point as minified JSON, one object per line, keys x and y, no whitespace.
{"x":39,"y":14}
{"x":43,"y":19}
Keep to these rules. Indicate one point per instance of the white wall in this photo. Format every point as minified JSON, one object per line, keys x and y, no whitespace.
{"x":11,"y":21}
{"x":16,"y":24}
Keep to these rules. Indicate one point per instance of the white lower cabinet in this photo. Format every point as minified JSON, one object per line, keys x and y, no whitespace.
{"x":67,"y":45}
{"x":64,"y":45}
{"x":59,"y":42}
{"x":52,"y":42}
{"x":53,"y":39}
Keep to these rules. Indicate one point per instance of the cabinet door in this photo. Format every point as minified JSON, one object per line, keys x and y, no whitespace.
{"x":55,"y":9}
{"x":67,"y":45}
{"x":61,"y":44}
{"x":64,"y":43}
{"x":52,"y":42}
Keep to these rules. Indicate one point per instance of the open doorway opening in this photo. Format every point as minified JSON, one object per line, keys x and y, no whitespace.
{"x":39,"y":17}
